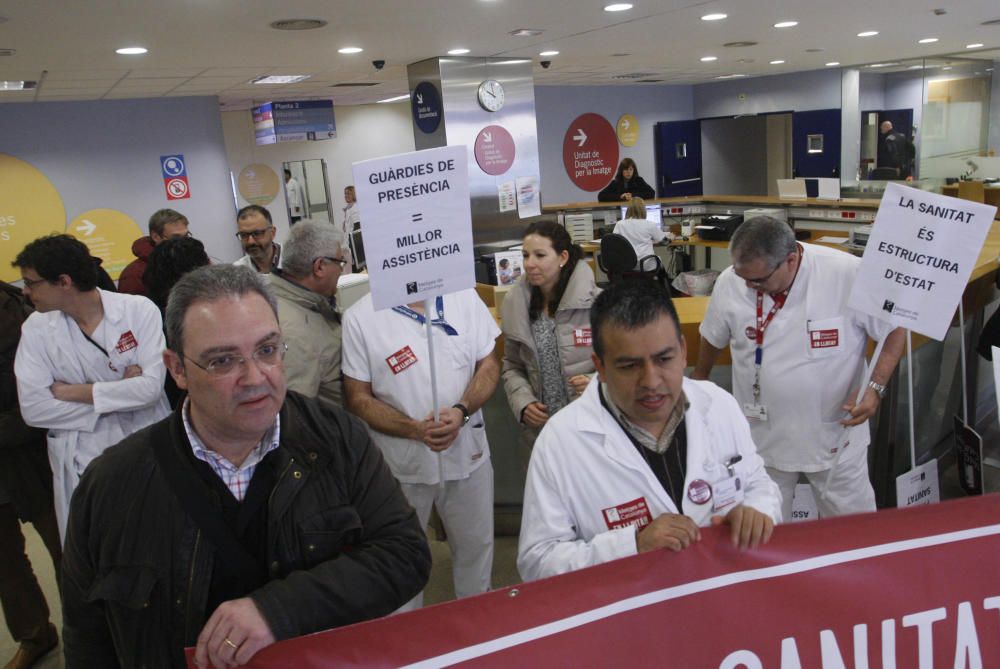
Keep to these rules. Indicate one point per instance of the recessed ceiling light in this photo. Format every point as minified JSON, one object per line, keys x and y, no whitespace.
{"x":833,"y":64}
{"x":618,"y":7}
{"x":973,"y":46}
{"x":549,"y":53}
{"x":458,"y":52}
{"x":350,"y":49}
{"x":915,"y":67}
{"x":275,"y":79}
{"x":297,"y":24}
{"x":17,"y":85}
{"x":868,"y":33}
{"x":526,"y":32}
{"x":731,"y":76}
{"x":786,"y":24}
{"x":777,"y":62}
{"x":395,"y":99}
{"x":709,"y":59}
{"x":713,"y":17}
{"x":946,"y":67}
{"x":131,"y":51}
{"x":928,"y":40}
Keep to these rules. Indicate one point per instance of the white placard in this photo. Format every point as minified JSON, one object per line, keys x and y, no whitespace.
{"x":996,"y":375}
{"x":803,"y":504}
{"x":918,"y":486}
{"x":529,"y":197}
{"x":417,"y":224}
{"x":918,"y":259}
{"x":828,"y":189}
{"x":507,"y":196}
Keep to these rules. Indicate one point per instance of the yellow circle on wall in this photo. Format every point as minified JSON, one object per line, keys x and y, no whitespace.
{"x":627,"y":130}
{"x":108,"y":234}
{"x":30,"y":207}
{"x":258,"y":184}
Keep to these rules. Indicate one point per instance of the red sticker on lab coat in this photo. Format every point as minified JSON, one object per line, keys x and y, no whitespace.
{"x":126,"y":342}
{"x":401,"y":359}
{"x":751,"y":333}
{"x":582,"y":337}
{"x":824,"y":338}
{"x":628,"y":514}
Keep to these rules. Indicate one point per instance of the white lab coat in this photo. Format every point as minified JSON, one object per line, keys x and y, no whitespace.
{"x":584,"y":465}
{"x":293,"y":193}
{"x":804,"y":382}
{"x":53,"y":348}
{"x":641,"y":234}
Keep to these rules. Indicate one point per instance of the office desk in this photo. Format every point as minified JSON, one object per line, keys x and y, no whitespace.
{"x":991,"y":194}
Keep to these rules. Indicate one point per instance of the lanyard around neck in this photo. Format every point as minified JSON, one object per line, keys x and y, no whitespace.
{"x":439,"y":321}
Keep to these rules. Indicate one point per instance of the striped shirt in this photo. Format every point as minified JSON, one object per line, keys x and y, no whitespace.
{"x":237,"y":479}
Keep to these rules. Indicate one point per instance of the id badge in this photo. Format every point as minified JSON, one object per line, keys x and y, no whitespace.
{"x":728,"y":493}
{"x":754,"y":411}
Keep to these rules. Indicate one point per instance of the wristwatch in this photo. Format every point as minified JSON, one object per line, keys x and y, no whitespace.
{"x":465,"y":412}
{"x":878,"y":388}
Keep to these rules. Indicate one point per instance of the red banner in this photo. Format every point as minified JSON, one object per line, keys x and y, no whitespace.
{"x":916,"y":587}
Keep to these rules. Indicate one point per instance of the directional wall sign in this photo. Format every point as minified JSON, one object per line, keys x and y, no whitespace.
{"x":30,"y":207}
{"x":263,"y":125}
{"x":426,"y":105}
{"x":109,"y":234}
{"x":628,"y":130}
{"x":494,"y":150}
{"x":590,"y":152}
{"x":175,"y":180}
{"x":417,"y":227}
{"x":303,"y":120}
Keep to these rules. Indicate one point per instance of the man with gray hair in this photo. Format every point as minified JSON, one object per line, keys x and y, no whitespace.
{"x":247,"y":516}
{"x":306,"y":286}
{"x":798,"y":356}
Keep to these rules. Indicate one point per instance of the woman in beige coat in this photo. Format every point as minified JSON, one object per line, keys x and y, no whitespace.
{"x":546,"y":326}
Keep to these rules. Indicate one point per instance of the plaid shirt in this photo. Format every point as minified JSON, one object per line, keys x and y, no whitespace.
{"x":237,"y":479}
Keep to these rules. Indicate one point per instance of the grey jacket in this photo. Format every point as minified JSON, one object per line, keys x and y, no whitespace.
{"x":522,"y":379}
{"x":311,"y":328}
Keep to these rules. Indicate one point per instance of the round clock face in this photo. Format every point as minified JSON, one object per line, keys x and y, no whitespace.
{"x":491,"y":95}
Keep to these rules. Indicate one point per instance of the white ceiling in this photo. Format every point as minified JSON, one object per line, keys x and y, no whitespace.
{"x":214,"y":47}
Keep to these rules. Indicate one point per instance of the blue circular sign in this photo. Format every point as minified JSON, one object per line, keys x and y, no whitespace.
{"x":173,"y":166}
{"x":426,"y":105}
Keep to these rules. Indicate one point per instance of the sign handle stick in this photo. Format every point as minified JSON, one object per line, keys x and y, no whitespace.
{"x":869,"y":368}
{"x":909,"y":379}
{"x":428,"y":306}
{"x":961,"y":343}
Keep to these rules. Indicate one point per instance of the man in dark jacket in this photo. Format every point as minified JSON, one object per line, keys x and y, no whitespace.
{"x":163,"y":225}
{"x":25,"y":495}
{"x":247,"y":516}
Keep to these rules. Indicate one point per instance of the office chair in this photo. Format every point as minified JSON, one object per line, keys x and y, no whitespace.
{"x":884,"y":174}
{"x":618,"y":260}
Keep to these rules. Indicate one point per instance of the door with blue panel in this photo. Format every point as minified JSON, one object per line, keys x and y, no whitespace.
{"x":678,"y":158}
{"x":816,"y":143}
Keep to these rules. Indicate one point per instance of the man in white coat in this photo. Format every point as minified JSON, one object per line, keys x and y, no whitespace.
{"x":644,"y":457}
{"x":90,"y":363}
{"x":444,"y":462}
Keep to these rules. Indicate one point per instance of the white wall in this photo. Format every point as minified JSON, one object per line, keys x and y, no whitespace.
{"x":799,"y":91}
{"x":363,"y":132}
{"x":734,"y":156}
{"x":106,"y":154}
{"x":557,"y":106}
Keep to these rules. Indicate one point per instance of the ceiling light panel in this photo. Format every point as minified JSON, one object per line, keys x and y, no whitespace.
{"x":786,"y":24}
{"x":714,"y":17}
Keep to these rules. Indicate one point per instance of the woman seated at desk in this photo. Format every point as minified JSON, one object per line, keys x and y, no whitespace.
{"x":546,"y":327}
{"x":640,"y":232}
{"x":626,"y":185}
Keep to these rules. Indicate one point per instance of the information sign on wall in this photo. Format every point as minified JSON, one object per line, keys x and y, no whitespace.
{"x":175,"y":180}
{"x":590,"y":152}
{"x":109,"y":234}
{"x":627,"y":130}
{"x":418,"y":225}
{"x":494,"y":150}
{"x":919,"y":257}
{"x":30,"y":207}
{"x":258,"y":184}
{"x":426,"y":106}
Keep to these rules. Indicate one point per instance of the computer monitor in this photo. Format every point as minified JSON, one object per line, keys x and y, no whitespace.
{"x":653,"y":213}
{"x":358,"y":250}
